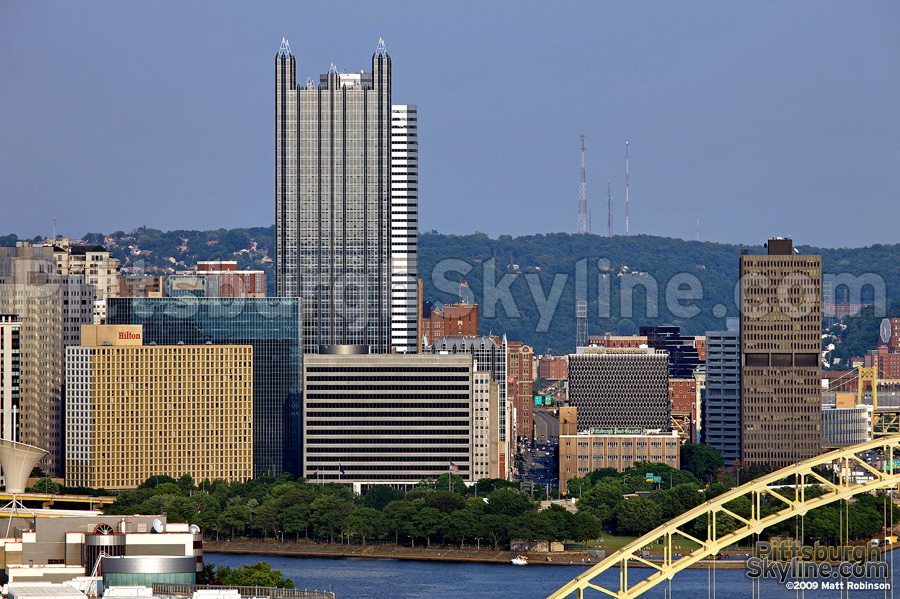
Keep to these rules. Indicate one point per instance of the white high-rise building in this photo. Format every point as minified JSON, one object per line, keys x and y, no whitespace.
{"x":404,"y":228}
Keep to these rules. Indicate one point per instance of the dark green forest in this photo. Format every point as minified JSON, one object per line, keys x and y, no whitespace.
{"x":547,"y":266}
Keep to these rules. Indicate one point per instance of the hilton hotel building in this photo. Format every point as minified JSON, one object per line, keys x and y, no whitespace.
{"x":781,"y":332}
{"x":134,"y":411}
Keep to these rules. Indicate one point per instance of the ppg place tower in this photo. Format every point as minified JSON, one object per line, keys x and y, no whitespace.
{"x":342,"y":245}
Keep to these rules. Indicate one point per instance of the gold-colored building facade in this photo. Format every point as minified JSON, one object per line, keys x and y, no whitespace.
{"x":136,"y":411}
{"x":781,"y":327}
{"x":584,"y":453}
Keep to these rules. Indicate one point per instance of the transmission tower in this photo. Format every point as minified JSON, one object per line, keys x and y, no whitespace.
{"x":626,"y":189}
{"x":583,"y":217}
{"x":609,"y":221}
{"x":581,"y":323}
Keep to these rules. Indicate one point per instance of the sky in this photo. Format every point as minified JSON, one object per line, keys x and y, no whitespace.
{"x":765,"y":118}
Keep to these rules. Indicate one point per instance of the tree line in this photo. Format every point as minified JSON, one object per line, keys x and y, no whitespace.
{"x":491,"y":513}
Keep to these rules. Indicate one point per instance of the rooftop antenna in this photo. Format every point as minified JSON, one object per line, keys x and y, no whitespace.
{"x":609,"y":221}
{"x":583,"y":218}
{"x":626,"y":189}
{"x":698,"y":225}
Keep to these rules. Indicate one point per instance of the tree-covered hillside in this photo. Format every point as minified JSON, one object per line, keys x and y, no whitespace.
{"x":635,"y":267}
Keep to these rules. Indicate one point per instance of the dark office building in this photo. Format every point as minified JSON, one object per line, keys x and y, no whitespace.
{"x":722,"y":404}
{"x":684,"y":358}
{"x":781,"y":344}
{"x":271,"y":326}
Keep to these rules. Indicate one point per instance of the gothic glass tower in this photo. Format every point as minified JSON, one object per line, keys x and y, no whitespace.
{"x":333,"y":202}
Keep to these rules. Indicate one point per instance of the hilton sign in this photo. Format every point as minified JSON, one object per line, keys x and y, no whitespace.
{"x":129,"y":335}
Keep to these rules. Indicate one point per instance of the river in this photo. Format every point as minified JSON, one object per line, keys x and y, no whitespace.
{"x":401,"y":579}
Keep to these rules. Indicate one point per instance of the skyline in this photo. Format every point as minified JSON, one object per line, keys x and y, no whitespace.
{"x":751,"y":102}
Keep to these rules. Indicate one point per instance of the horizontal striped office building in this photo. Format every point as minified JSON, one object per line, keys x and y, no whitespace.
{"x":387,"y":419}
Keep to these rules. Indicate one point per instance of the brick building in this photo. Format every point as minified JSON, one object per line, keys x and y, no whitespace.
{"x":521,"y":385}
{"x":553,"y":368}
{"x":453,"y":320}
{"x":219,"y":279}
{"x":685,"y":403}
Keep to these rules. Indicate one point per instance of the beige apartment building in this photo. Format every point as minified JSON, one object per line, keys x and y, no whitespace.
{"x":32,"y":351}
{"x":780,"y":329}
{"x":614,"y":447}
{"x":93,"y":263}
{"x":134,"y":411}
{"x":485,"y":443}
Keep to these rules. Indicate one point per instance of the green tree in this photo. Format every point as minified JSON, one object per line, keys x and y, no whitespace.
{"x":509,"y":502}
{"x":295,"y":519}
{"x":328,"y":513}
{"x":208,"y":575}
{"x":259,"y":574}
{"x":445,"y":501}
{"x":560,"y":522}
{"x":186,"y":482}
{"x":602,"y":500}
{"x":268,"y":517}
{"x":234,"y":518}
{"x":700,"y":460}
{"x":586,"y":527}
{"x":637,"y":516}
{"x":45,"y":485}
{"x":462,"y":524}
{"x":399,"y":515}
{"x":495,"y":526}
{"x":448,"y":481}
{"x":364,"y":521}
{"x":206,"y":511}
{"x":678,"y":500}
{"x":428,"y":522}
{"x":378,"y":496}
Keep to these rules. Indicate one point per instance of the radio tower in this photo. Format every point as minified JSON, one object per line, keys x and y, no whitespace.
{"x":581,"y":323}
{"x":609,"y":228}
{"x":583,"y":218}
{"x":626,"y":189}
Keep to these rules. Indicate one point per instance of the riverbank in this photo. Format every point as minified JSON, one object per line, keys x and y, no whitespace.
{"x":444,"y":554}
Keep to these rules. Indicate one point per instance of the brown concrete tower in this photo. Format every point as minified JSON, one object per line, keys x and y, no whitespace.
{"x":781,"y":325}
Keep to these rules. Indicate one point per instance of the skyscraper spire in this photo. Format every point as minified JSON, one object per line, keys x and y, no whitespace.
{"x":285,"y":47}
{"x":379,"y":50}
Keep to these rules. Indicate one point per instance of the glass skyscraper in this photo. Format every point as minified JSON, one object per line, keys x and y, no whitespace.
{"x":333,"y":201}
{"x":271,"y":326}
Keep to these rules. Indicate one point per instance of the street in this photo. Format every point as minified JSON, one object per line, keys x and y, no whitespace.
{"x":540,"y":464}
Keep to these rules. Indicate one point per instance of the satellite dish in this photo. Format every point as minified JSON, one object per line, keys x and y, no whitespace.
{"x":194,"y":529}
{"x":158,"y":525}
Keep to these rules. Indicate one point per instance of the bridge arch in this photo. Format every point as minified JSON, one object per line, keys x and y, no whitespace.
{"x":756,"y":489}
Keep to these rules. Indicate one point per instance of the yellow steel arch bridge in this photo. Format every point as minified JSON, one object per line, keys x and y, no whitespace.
{"x":796,"y":504}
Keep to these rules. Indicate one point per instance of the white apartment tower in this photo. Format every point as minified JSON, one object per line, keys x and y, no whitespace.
{"x":404,"y":228}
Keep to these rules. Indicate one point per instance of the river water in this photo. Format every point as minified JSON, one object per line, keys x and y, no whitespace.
{"x":402,"y":579}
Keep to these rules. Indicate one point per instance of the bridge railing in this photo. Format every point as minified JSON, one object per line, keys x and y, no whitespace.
{"x":165,"y":589}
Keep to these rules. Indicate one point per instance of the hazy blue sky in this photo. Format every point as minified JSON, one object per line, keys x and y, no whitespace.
{"x":770,"y":118}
